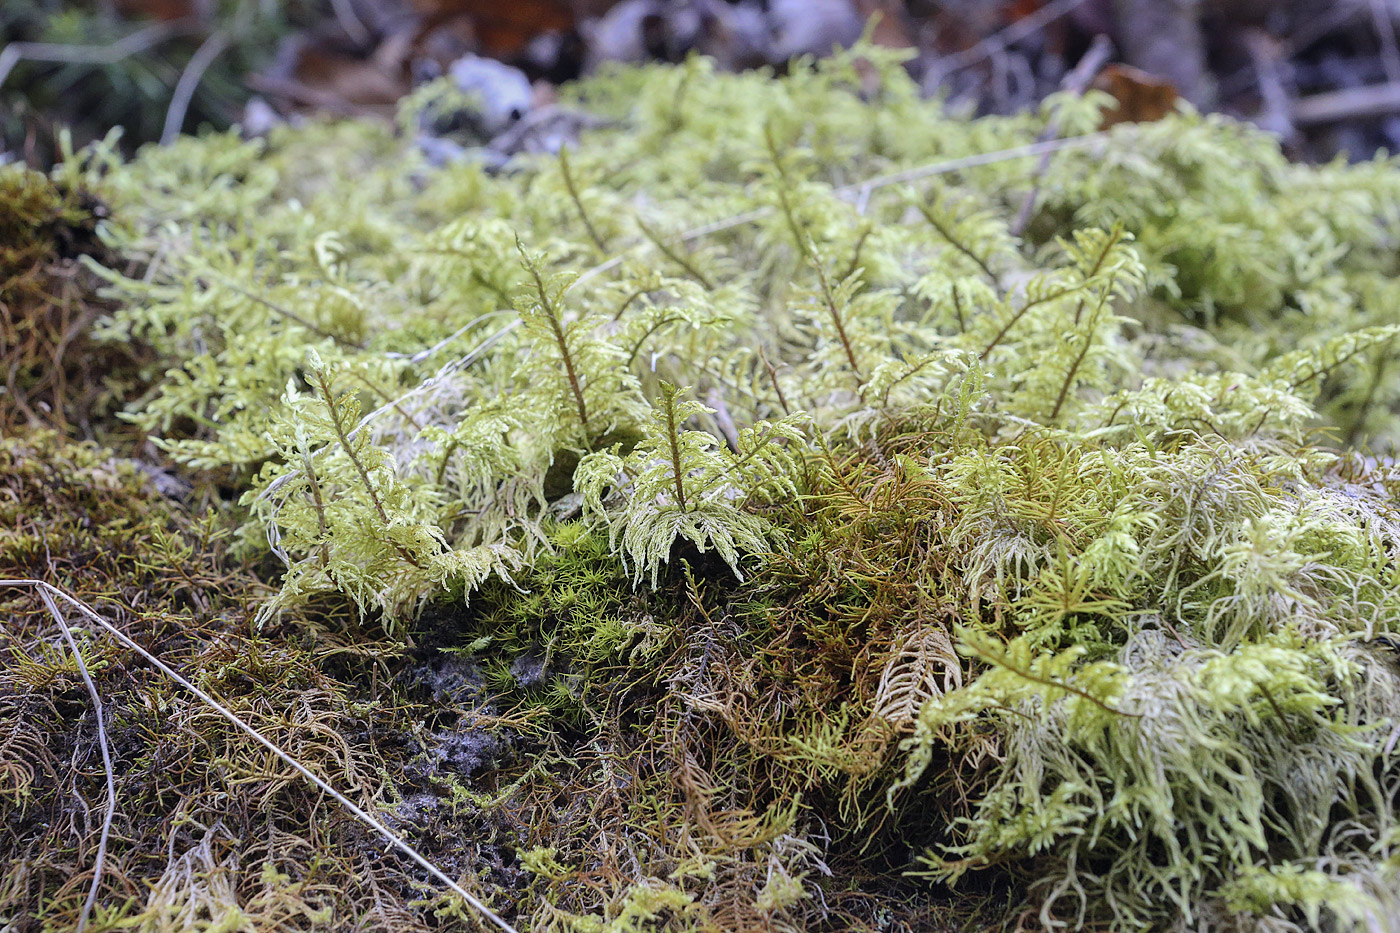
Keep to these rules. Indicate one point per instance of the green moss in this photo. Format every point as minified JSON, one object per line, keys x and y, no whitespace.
{"x":794,"y":550}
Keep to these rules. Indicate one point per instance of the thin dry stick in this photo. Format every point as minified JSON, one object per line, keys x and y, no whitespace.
{"x":388,"y":834}
{"x":1023,"y":28}
{"x":972,"y":161}
{"x":350,"y":21}
{"x":210,"y":49}
{"x":861,"y":190}
{"x":422,"y":355}
{"x":1385,"y":30}
{"x":454,"y":366}
{"x":101,"y":715}
{"x":1376,"y":100}
{"x":1339,"y":15}
{"x":850,"y":192}
{"x":1077,"y":81}
{"x":1275,"y":112}
{"x":139,"y":41}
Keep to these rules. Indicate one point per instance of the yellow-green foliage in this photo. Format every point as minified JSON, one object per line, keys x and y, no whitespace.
{"x":1034,"y":561}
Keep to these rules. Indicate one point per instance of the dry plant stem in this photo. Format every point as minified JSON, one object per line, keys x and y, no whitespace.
{"x":426,"y":385}
{"x":723,"y":419}
{"x":48,"y":591}
{"x":1385,"y":30}
{"x":137,"y":42}
{"x":1275,"y":116}
{"x":1339,"y":16}
{"x":1166,"y":38}
{"x":100,"y":714}
{"x":1078,"y":82}
{"x":210,"y":49}
{"x":858,"y":190}
{"x":1023,"y":28}
{"x":350,"y":21}
{"x":375,"y":390}
{"x":1376,"y":100}
{"x":298,"y":93}
{"x":422,"y":355}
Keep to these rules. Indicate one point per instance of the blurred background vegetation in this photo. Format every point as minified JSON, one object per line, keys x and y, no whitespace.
{"x":1323,"y":75}
{"x":125,"y":61}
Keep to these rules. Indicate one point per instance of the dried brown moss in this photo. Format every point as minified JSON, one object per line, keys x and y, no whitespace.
{"x":54,"y":374}
{"x":210,"y":831}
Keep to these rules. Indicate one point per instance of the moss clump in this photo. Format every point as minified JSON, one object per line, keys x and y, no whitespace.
{"x":54,"y":374}
{"x":732,"y":525}
{"x":209,"y":831}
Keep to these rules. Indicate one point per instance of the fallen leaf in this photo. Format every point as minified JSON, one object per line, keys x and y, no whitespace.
{"x":503,"y":29}
{"x":1141,"y":97}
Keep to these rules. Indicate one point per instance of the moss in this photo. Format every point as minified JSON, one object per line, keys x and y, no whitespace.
{"x":825,"y":557}
{"x":55,"y":375}
{"x":209,"y":834}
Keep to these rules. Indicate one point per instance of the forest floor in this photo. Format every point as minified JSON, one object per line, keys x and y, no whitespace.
{"x":941,"y":486}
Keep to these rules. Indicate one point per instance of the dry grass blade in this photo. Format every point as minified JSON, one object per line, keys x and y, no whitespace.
{"x":203,"y":57}
{"x":47,"y":592}
{"x":1023,"y":28}
{"x":133,"y":44}
{"x":100,"y":713}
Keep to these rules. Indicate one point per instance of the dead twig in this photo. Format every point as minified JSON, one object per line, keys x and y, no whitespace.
{"x":350,"y":21}
{"x":304,"y":95}
{"x":1275,"y":115}
{"x":1334,"y":17}
{"x":210,"y":49}
{"x":859,"y":191}
{"x":1077,"y":82}
{"x":100,"y":713}
{"x":1385,"y":31}
{"x":997,"y":42}
{"x":133,"y":44}
{"x":1376,"y":100}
